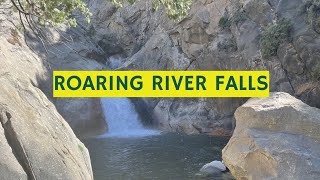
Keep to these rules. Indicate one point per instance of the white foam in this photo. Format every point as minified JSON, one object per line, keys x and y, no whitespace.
{"x":122,"y":119}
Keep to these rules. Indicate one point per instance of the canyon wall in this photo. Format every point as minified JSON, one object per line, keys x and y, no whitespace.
{"x":273,"y":35}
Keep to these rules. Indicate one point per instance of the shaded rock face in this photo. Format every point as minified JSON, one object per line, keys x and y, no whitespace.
{"x":148,"y":40}
{"x":275,"y":138}
{"x":35,"y":140}
{"x":9,"y":165}
{"x":211,"y":116}
{"x":90,"y":122}
{"x":72,"y":49}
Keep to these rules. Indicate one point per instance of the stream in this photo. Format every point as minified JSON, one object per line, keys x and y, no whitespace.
{"x":129,"y":151}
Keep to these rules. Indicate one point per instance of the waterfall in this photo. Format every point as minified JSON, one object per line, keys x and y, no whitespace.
{"x":122,"y":119}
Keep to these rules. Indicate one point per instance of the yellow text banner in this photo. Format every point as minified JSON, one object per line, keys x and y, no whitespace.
{"x":161,"y":83}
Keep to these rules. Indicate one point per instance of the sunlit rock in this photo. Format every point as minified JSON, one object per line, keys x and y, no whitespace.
{"x":275,"y":138}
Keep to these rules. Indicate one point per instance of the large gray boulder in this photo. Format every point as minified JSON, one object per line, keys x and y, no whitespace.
{"x":275,"y":138}
{"x":35,"y":141}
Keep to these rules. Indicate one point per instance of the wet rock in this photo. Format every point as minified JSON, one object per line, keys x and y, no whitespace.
{"x":212,"y":168}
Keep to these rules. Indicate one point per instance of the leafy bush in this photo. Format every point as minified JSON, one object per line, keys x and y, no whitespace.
{"x":52,"y":11}
{"x":175,"y":9}
{"x":61,"y":11}
{"x":273,"y":36}
{"x":238,"y":17}
{"x":224,"y":23}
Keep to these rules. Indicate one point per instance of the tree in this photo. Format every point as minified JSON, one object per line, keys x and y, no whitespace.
{"x":61,"y":11}
{"x":176,"y":9}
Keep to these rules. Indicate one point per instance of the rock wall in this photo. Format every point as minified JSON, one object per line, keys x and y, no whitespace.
{"x":71,"y":49}
{"x":217,"y":35}
{"x":75,"y":52}
{"x":35,"y":140}
{"x":275,"y":138}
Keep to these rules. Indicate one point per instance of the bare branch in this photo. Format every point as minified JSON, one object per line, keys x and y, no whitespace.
{"x":20,"y":10}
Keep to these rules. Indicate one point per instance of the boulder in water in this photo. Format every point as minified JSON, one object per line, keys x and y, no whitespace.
{"x":215,"y":167}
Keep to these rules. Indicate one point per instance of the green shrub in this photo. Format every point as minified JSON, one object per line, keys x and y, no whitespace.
{"x":238,"y":17}
{"x":62,"y":11}
{"x":273,"y":36}
{"x":224,"y":23}
{"x":175,"y":9}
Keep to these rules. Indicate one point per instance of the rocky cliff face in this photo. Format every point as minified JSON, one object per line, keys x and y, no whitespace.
{"x":275,"y":138}
{"x":66,"y":48}
{"x":71,"y":49}
{"x":35,"y":140}
{"x":274,"y":35}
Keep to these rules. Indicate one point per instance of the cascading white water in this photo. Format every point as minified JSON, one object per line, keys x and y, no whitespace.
{"x":122,"y":119}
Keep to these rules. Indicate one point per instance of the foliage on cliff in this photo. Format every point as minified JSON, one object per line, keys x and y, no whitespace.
{"x":273,"y":36}
{"x":52,"y":11}
{"x":175,"y":9}
{"x":62,"y":11}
